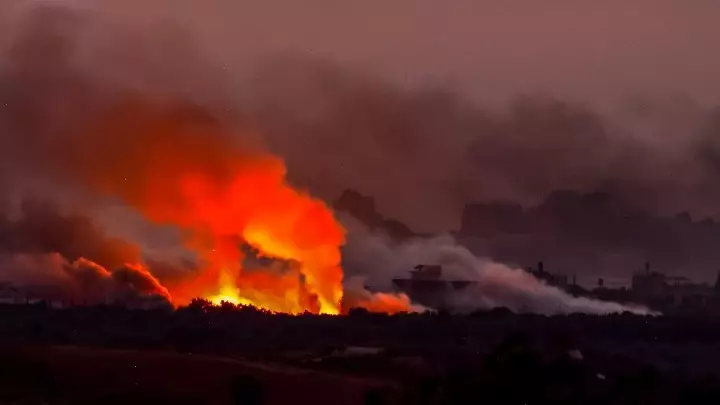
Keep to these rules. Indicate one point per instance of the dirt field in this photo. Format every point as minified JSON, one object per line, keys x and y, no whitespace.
{"x":90,"y":375}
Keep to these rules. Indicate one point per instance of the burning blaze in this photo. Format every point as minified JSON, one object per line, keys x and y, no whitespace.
{"x":261,"y":209}
{"x":383,"y":302}
{"x":258,"y":208}
{"x":228,"y":292}
{"x":180,"y":167}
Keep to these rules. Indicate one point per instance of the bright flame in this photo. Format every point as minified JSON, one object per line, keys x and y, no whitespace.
{"x":228,"y":292}
{"x":261,"y":210}
{"x":384,"y":302}
{"x":178,"y":166}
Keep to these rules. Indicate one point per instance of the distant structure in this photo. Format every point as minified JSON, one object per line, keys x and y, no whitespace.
{"x":660,"y":292}
{"x":648,"y":284}
{"x":427,"y":287}
{"x":555,"y":280}
{"x":667,"y":294}
{"x":673,"y":294}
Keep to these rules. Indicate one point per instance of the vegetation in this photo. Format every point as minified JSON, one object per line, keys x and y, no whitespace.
{"x":488,"y":357}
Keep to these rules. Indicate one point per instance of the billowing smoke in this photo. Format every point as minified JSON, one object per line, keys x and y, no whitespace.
{"x":425,"y":154}
{"x":39,"y":226}
{"x":341,"y":129}
{"x":87,"y":105}
{"x":82,"y":282}
{"x":375,"y":258}
{"x":47,"y":254}
{"x":338,"y":128}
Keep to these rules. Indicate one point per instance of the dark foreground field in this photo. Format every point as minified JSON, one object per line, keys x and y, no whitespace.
{"x":105,"y":376}
{"x":209,"y":355}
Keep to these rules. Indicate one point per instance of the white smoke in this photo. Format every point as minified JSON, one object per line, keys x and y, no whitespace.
{"x":378,"y":259}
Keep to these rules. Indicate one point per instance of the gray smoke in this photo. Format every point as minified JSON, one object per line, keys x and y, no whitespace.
{"x":422,"y":152}
{"x":342,"y":129}
{"x":46,"y":253}
{"x":376,"y":259}
{"x":339,"y":127}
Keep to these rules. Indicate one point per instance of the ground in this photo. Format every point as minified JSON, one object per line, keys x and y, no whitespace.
{"x":88,"y":375}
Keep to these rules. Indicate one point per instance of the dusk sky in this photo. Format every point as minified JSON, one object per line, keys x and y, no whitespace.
{"x":601,"y":56}
{"x":424,"y":106}
{"x":491,"y":50}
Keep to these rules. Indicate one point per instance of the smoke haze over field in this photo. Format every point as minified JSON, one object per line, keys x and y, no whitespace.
{"x":377,"y":259}
{"x":501,"y":106}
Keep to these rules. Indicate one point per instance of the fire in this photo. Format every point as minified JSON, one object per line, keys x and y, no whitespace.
{"x":228,"y":292}
{"x":178,"y":166}
{"x":260,"y":209}
{"x":384,"y":302}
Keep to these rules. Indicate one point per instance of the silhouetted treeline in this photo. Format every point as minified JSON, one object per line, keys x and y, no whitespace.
{"x":249,"y":332}
{"x":494,"y":357}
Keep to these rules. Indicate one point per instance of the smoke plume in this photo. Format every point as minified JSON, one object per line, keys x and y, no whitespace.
{"x":89,"y":106}
{"x":375,"y":258}
{"x":177,"y":161}
{"x":341,"y":129}
{"x":51,"y":255}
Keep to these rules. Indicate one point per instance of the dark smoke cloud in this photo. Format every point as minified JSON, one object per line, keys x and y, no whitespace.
{"x":53,"y":255}
{"x":57,"y":93}
{"x":588,"y":235}
{"x":340,"y":129}
{"x":601,"y":190}
{"x":423,"y":153}
{"x":53,"y":278}
{"x":593,"y":235}
{"x":41,"y":227}
{"x":487,"y":49}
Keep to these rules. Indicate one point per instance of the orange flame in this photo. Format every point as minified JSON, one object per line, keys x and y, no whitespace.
{"x":384,"y":302}
{"x":177,"y":166}
{"x":281,"y":223}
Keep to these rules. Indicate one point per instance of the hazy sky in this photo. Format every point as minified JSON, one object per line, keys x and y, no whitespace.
{"x":421,"y":154}
{"x":602,"y":50}
{"x":488,"y":51}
